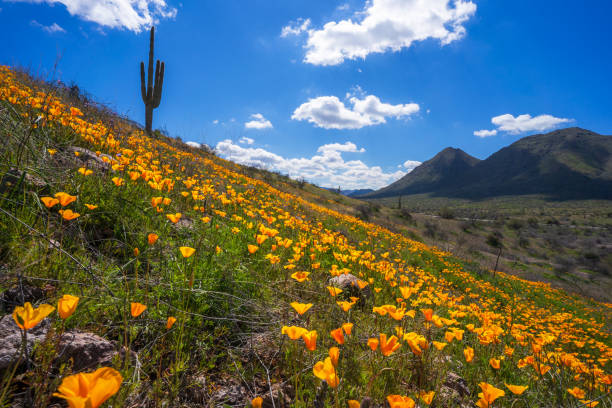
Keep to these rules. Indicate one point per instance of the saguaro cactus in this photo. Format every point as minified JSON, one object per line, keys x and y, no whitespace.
{"x":151,"y":93}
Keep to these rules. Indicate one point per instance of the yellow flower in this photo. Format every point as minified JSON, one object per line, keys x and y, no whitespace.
{"x":69,"y":215}
{"x":49,"y":201}
{"x":373,"y":344}
{"x":468,"y":352}
{"x":152,"y":238}
{"x":576,"y":392}
{"x":300,"y":276}
{"x":170,"y":322}
{"x":334,"y":291}
{"x":338,"y":335}
{"x":118,"y":181}
{"x":84,"y":171}
{"x":52,"y":151}
{"x":67,"y":305}
{"x":516,"y":389}
{"x":90,"y":390}
{"x":256,"y":402}
{"x":136,"y":309}
{"x":294,"y":332}
{"x":353,"y":404}
{"x":301,"y":308}
{"x":325,"y":371}
{"x":439,"y":345}
{"x":310,"y":340}
{"x":252,"y":248}
{"x":427,"y":397}
{"x":495,"y":363}
{"x":186,"y":251}
{"x":75,"y":111}
{"x":174,"y":218}
{"x":348,"y":328}
{"x":399,"y":401}
{"x":387,"y":347}
{"x":488,"y":395}
{"x":91,"y":206}
{"x":334,"y":355}
{"x":27,"y":317}
{"x":155,"y":201}
{"x":65,"y":198}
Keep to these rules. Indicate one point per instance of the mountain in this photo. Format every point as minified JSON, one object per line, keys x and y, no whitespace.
{"x":351,"y":193}
{"x":570,"y":163}
{"x":439,"y":173}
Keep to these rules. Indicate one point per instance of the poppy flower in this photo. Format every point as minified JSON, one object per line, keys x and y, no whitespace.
{"x":468,"y":352}
{"x":67,"y":305}
{"x":439,"y":345}
{"x":334,"y":355}
{"x":65,"y":198}
{"x":293,"y":332}
{"x":136,"y":309}
{"x":69,"y":215}
{"x":84,"y":171}
{"x":310,"y":340}
{"x":155,"y":201}
{"x":90,"y":389}
{"x":428,"y":314}
{"x":399,"y":401}
{"x":334,"y":291}
{"x":338,"y":335}
{"x":49,"y":201}
{"x":91,"y":206}
{"x":325,"y":371}
{"x":118,"y":181}
{"x":495,"y":363}
{"x":488,"y":395}
{"x":174,"y":218}
{"x":388,"y":346}
{"x":373,"y":344}
{"x":516,"y":389}
{"x":28,"y":317}
{"x":186,"y":251}
{"x":252,"y":248}
{"x":301,"y":308}
{"x":576,"y":392}
{"x":353,"y":403}
{"x":300,"y":276}
{"x":256,"y":402}
{"x":427,"y":397}
{"x":348,"y":328}
{"x":152,"y":238}
{"x":170,"y":322}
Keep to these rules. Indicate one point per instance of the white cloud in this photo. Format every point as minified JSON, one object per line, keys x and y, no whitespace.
{"x":246,"y":140}
{"x":411,"y":165}
{"x":295,"y":27}
{"x":193,"y":144}
{"x":258,"y":122}
{"x":329,"y":112}
{"x":485,"y":133}
{"x":387,"y":25}
{"x":215,"y":122}
{"x":526,"y":123}
{"x":133,"y":15}
{"x":327,"y":168}
{"x":522,"y":123}
{"x":53,"y":28}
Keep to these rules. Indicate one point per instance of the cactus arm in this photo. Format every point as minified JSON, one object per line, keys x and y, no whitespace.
{"x":159,"y":83}
{"x":143,"y":89}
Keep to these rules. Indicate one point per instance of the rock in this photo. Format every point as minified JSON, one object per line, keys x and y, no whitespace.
{"x":456,"y":383}
{"x":12,"y":179}
{"x":86,"y":350}
{"x":18,"y":295}
{"x":281,"y":396}
{"x":348,"y":283}
{"x":90,"y":159}
{"x":10,"y":339}
{"x":455,"y":392}
{"x":184,"y":222}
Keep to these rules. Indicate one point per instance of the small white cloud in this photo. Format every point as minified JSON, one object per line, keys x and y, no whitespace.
{"x":327,"y":168}
{"x":329,"y":112}
{"x":133,"y":15}
{"x":193,"y":144}
{"x":485,"y":133}
{"x":296,"y":27}
{"x":343,"y":7}
{"x":522,"y":123}
{"x":526,"y":123}
{"x":215,"y":122}
{"x":410,"y":165}
{"x":53,"y":28}
{"x":387,"y":26}
{"x":246,"y":140}
{"x":258,"y":122}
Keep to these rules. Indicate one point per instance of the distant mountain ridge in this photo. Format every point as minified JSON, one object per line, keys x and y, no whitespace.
{"x":570,"y":163}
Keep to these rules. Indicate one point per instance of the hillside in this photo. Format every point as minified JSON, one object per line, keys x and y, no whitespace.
{"x":571,"y":163}
{"x":198,"y":282}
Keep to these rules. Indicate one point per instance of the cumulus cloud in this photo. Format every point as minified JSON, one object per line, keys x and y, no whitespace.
{"x":522,"y":123}
{"x":326,"y":168}
{"x":246,"y":140}
{"x":387,"y":25}
{"x":133,"y":15}
{"x":258,"y":122}
{"x":329,"y":112}
{"x":296,"y":27}
{"x":485,"y":133}
{"x":193,"y":144}
{"x":53,"y":28}
{"x":410,"y":165}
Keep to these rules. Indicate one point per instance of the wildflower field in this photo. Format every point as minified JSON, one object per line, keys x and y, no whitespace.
{"x":201,"y":277}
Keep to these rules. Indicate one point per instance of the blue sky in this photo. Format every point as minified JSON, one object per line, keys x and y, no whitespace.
{"x":343,"y":93}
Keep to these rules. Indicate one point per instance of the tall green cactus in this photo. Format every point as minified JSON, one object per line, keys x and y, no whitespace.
{"x":151,"y":94}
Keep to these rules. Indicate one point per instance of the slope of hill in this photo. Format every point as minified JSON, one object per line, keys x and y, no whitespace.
{"x":199,"y":285}
{"x":571,"y":163}
{"x":439,"y":173}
